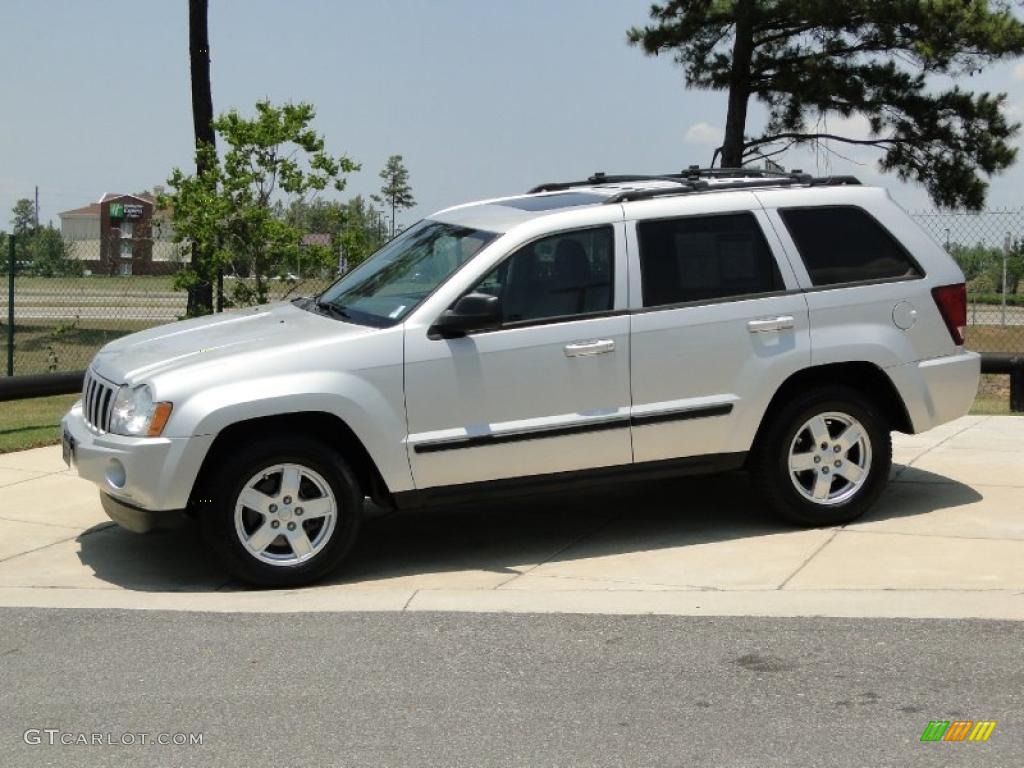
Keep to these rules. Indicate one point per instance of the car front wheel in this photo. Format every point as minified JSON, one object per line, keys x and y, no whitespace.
{"x":825,"y":457}
{"x":282,"y":512}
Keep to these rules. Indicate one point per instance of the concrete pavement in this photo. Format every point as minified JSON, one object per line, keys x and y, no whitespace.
{"x":946,"y":540}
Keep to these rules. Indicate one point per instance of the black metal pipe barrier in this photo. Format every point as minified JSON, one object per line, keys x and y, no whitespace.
{"x":1012,"y":365}
{"x":40,"y":385}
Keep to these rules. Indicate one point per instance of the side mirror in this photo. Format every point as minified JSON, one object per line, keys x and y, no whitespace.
{"x":473,"y":312}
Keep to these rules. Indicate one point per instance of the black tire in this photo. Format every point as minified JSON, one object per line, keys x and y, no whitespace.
{"x":217,"y":514}
{"x":771,"y":469}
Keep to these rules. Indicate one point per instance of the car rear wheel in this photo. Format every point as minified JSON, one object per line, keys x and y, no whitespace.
{"x":825,"y":457}
{"x":282,"y":512}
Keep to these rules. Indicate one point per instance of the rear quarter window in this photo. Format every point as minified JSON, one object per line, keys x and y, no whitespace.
{"x":846,"y":245}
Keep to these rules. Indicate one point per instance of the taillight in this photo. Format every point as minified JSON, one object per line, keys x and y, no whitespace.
{"x":952,"y":303}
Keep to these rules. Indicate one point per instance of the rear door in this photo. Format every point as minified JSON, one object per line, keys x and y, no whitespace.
{"x":718,"y":324}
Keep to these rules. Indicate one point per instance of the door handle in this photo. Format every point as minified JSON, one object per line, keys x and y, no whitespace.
{"x":589,"y":348}
{"x":784,"y":323}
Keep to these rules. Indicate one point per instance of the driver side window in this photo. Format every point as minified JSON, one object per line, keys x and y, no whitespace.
{"x":562,"y":275}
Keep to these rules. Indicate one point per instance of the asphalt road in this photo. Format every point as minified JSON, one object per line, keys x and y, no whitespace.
{"x":396,"y":689}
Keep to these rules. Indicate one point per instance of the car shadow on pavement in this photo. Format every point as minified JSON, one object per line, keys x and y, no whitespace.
{"x":490,"y":542}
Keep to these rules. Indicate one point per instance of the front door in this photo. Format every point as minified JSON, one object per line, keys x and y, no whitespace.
{"x":548,"y":391}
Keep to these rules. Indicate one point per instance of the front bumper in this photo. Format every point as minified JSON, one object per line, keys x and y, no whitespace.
{"x":145,"y":473}
{"x":139,"y":520}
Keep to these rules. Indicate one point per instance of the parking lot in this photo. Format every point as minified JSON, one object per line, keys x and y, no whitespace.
{"x":946,"y":540}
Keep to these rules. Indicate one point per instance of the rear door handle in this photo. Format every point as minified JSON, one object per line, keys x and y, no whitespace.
{"x":589,"y":348}
{"x":784,"y":323}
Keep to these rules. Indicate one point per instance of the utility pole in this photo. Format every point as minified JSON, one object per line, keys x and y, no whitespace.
{"x":37,"y":207}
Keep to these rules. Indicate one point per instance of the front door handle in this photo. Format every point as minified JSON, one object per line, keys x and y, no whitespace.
{"x":784,"y":323}
{"x":589,"y":348}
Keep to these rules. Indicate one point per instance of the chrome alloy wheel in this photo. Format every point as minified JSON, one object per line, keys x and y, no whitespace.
{"x":285,"y":514}
{"x":830,"y":458}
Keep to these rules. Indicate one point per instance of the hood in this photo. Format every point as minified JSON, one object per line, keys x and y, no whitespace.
{"x":206,"y":339}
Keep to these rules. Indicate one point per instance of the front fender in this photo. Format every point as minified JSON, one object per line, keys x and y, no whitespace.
{"x":372,"y":407}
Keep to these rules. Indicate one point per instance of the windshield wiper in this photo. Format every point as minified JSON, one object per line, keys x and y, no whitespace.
{"x":333,"y":310}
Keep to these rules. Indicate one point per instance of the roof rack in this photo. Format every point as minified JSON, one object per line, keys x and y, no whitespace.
{"x":695,"y":179}
{"x":700,"y":185}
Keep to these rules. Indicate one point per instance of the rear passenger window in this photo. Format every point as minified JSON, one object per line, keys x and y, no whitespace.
{"x":846,"y":245}
{"x":700,"y":258}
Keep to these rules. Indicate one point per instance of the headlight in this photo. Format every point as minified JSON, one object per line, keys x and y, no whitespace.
{"x":135,"y":413}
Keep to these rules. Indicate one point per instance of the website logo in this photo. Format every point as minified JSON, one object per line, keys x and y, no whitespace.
{"x":958,"y":730}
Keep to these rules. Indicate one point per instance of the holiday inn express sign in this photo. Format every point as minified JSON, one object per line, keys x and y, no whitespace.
{"x":126,"y":211}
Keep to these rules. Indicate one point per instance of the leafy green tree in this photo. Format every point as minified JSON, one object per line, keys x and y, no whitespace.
{"x":974,"y":260}
{"x":809,"y":60}
{"x":23,"y":220}
{"x":23,"y":227}
{"x":983,"y":266}
{"x":228,"y":210}
{"x":51,"y":255}
{"x":396,"y":191}
{"x":361,"y":235}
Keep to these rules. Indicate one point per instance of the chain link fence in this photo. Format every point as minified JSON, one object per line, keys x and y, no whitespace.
{"x":71,"y":298}
{"x":103,"y":274}
{"x":989,"y":247}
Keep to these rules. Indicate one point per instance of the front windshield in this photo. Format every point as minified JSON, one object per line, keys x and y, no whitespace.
{"x":387,"y":286}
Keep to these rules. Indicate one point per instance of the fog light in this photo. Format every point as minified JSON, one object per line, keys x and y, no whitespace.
{"x":116,"y":475}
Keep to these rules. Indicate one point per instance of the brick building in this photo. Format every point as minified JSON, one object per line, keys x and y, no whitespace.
{"x":122,"y":235}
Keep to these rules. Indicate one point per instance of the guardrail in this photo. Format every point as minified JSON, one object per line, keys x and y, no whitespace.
{"x":45,"y":384}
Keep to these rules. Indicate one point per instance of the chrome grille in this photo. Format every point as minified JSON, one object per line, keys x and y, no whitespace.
{"x":97,"y":402}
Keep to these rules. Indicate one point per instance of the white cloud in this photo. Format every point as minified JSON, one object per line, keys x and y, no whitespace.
{"x":703,"y":133}
{"x":1018,"y":71}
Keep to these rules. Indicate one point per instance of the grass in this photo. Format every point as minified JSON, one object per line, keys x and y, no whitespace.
{"x":995,"y":338}
{"x":65,"y":346}
{"x":993,"y":397}
{"x":96,"y":282}
{"x":31,"y":423}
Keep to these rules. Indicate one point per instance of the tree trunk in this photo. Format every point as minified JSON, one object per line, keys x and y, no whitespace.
{"x":739,"y":86}
{"x":200,"y":296}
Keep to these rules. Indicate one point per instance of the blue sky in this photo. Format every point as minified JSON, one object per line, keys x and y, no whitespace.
{"x":482,"y":97}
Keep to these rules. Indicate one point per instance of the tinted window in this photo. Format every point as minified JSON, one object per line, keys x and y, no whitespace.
{"x":705,"y":257}
{"x":566,"y":274}
{"x":845,"y":245}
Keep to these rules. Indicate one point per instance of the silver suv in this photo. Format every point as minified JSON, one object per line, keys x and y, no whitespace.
{"x":614,"y":328}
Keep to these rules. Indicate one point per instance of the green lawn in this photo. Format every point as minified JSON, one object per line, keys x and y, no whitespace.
{"x":995,"y":338}
{"x":96,"y":282}
{"x":45,"y":347}
{"x":31,"y":423}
